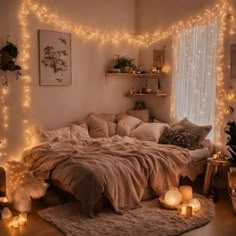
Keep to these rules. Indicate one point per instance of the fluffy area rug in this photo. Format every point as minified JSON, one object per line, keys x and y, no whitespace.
{"x":150,"y":220}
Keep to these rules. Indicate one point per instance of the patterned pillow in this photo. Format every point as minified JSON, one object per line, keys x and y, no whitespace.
{"x":180,"y":138}
{"x":200,"y":131}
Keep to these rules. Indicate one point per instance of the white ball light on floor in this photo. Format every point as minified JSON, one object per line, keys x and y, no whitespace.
{"x":173,"y":197}
{"x":195,"y":204}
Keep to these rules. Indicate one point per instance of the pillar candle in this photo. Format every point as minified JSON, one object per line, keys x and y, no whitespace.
{"x":184,"y":209}
{"x":186,"y":192}
{"x":189,"y":211}
{"x":15,"y":222}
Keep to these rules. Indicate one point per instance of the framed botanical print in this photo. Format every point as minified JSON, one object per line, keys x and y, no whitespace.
{"x":54,"y":58}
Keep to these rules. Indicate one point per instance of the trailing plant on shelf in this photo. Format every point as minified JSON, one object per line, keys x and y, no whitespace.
{"x":8,"y":58}
{"x":231,"y":143}
{"x":124,"y":63}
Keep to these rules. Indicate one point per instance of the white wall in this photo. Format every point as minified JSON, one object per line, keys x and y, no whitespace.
{"x":155,"y":15}
{"x":54,"y":107}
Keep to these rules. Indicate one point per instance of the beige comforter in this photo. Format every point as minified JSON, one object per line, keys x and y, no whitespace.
{"x":119,"y":168}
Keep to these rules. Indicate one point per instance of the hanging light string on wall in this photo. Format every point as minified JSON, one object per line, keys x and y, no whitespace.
{"x":24,"y":59}
{"x":5,"y":122}
{"x":87,"y":33}
{"x":206,"y":16}
{"x":220,"y":87}
{"x":220,"y":11}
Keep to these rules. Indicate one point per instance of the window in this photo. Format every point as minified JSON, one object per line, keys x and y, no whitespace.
{"x":194,"y":75}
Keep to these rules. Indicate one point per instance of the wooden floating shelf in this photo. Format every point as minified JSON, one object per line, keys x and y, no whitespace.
{"x":143,"y":76}
{"x":147,"y":94}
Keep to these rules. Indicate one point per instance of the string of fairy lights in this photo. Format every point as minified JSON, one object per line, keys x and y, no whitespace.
{"x":222,"y":11}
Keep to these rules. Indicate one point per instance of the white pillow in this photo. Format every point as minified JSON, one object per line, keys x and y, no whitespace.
{"x":126,"y":124}
{"x":79,"y":131}
{"x":148,"y":131}
{"x":61,"y":134}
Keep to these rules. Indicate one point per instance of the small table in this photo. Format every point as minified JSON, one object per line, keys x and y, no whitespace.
{"x":212,"y":168}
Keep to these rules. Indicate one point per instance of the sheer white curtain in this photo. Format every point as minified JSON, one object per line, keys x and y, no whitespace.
{"x":194,"y":75}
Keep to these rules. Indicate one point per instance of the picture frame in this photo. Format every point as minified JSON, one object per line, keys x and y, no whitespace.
{"x":159,"y":58}
{"x":54,"y":58}
{"x":233,"y":61}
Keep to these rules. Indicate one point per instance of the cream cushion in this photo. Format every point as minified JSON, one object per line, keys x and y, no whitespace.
{"x":79,"y":131}
{"x":61,"y":134}
{"x":101,"y":125}
{"x":126,"y":124}
{"x":148,"y":131}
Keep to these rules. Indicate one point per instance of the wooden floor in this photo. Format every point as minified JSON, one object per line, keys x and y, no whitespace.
{"x":223,"y":224}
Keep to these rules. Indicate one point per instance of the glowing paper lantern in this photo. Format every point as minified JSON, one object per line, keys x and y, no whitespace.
{"x":186,"y":192}
{"x":173,"y":197}
{"x":195,"y":204}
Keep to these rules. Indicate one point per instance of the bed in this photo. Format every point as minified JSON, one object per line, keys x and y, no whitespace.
{"x":123,"y":170}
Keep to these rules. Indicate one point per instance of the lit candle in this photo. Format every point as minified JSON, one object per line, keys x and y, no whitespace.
{"x":186,"y":192}
{"x":189,"y":211}
{"x":179,"y":209}
{"x":22,"y":218}
{"x":15,"y":222}
{"x":5,"y":200}
{"x":195,"y":204}
{"x":184,"y":209}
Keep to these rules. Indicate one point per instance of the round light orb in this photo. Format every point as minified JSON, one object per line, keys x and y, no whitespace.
{"x":173,"y":197}
{"x":195,"y":204}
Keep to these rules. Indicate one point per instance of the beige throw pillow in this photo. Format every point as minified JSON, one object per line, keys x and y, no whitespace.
{"x":106,"y":124}
{"x":200,"y":131}
{"x":148,"y":131}
{"x":79,"y":131}
{"x":126,"y":124}
{"x":140,"y":114}
{"x":98,"y":128}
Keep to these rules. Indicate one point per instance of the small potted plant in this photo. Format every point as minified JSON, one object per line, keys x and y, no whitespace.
{"x":8,"y":58}
{"x":124,"y":64}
